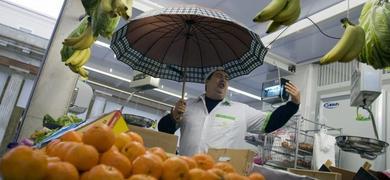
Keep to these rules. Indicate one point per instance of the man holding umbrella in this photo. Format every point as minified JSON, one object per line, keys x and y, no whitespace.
{"x":212,"y":120}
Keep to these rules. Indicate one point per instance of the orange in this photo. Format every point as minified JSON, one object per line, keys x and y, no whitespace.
{"x":22,"y":162}
{"x":235,"y":176}
{"x":104,"y":172}
{"x":211,"y":176}
{"x":148,"y":164}
{"x":136,"y":137}
{"x":71,"y":136}
{"x":61,"y":171}
{"x":204,"y":161}
{"x":50,"y":146}
{"x":83,"y":156}
{"x":225,"y":166}
{"x":197,"y":174}
{"x":53,"y":159}
{"x":84,"y":176}
{"x":256,"y":176}
{"x":99,"y":136}
{"x":141,"y":177}
{"x":220,"y":173}
{"x":121,"y":139}
{"x":190,"y":162}
{"x":175,"y":168}
{"x":117,"y":160}
{"x":159,"y":152}
{"x":132,"y":150}
{"x":61,"y":149}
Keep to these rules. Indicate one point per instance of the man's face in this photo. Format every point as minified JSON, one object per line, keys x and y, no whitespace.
{"x":217,"y":85}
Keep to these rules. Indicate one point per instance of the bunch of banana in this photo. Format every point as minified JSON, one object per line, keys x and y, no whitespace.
{"x":348,"y":47}
{"x":83,"y":41}
{"x":102,"y":18}
{"x":77,"y":59}
{"x":281,"y":12}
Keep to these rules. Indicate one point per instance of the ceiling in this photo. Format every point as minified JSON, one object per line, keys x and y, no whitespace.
{"x":302,"y":47}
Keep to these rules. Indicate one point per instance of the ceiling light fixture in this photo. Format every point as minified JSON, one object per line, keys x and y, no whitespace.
{"x":103,"y":44}
{"x":129,"y":93}
{"x":107,"y":74}
{"x":169,"y":93}
{"x":146,"y":5}
{"x":244,"y":93}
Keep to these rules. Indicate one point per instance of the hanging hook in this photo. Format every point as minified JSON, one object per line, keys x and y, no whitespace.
{"x":348,"y":9}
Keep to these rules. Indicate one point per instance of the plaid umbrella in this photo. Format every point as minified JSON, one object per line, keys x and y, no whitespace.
{"x":185,"y":43}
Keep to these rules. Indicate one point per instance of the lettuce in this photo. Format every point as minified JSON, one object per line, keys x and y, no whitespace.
{"x":375,"y":20}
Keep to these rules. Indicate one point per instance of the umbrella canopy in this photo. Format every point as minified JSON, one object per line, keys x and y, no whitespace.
{"x":185,"y":43}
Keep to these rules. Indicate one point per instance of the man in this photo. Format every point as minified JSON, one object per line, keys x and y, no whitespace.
{"x":211,"y":120}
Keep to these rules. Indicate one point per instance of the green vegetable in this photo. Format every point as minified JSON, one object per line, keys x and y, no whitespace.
{"x":375,"y":20}
{"x":90,"y":6}
{"x":67,"y":51}
{"x":103,"y":23}
{"x":64,"y":120}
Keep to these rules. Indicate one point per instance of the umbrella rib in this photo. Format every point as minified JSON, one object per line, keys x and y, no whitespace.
{"x":169,"y":46}
{"x":142,"y":25}
{"x":227,"y":32}
{"x":212,"y":44}
{"x":135,"y":42}
{"x":155,"y":42}
{"x":216,"y":34}
{"x":200,"y":54}
{"x":223,"y":22}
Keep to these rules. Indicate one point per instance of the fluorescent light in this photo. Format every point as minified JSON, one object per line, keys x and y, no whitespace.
{"x":107,"y":74}
{"x":244,"y":93}
{"x":103,"y":44}
{"x":128,"y":93}
{"x":169,"y":93}
{"x":146,"y":5}
{"x":128,"y":80}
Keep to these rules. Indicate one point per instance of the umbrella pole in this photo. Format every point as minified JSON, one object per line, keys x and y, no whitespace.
{"x":184,"y":84}
{"x":183,"y":90}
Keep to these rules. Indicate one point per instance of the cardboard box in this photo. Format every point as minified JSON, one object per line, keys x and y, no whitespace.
{"x":317,"y":174}
{"x":112,"y":119}
{"x":241,"y":159}
{"x":154,"y":138}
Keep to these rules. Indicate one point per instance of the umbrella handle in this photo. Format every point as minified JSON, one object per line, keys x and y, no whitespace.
{"x":183,"y":90}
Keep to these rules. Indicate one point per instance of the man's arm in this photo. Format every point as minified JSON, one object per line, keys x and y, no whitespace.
{"x":167,"y":124}
{"x":259,"y":121}
{"x":280,"y":116}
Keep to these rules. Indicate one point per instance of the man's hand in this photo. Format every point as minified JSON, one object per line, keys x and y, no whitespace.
{"x":179,"y":109}
{"x":294,"y":92}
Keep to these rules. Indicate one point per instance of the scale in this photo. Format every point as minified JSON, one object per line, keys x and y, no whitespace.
{"x":365,"y":88}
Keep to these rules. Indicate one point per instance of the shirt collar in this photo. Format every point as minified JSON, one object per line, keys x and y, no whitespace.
{"x":225,"y":101}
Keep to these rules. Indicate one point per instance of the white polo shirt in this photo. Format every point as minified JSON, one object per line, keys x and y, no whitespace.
{"x":224,"y":127}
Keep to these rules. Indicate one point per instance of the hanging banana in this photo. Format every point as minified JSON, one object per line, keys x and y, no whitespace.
{"x":347,"y":44}
{"x":281,"y":12}
{"x":271,"y":10}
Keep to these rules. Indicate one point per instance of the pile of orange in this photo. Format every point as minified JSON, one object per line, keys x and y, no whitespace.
{"x":98,"y":154}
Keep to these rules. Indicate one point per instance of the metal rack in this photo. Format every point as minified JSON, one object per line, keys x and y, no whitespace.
{"x":284,"y":148}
